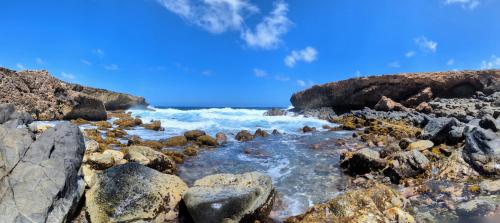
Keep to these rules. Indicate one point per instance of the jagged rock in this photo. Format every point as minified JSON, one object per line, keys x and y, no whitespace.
{"x":357,"y":93}
{"x":230,"y":198}
{"x":482,"y":150}
{"x":150,"y":158}
{"x":206,"y":140}
{"x":128,"y":122}
{"x":363,"y":161}
{"x":194,"y":134}
{"x":275,"y":112}
{"x":46,"y":98}
{"x":421,"y":97}
{"x":420,"y":145}
{"x":376,"y":204}
{"x":488,"y":122}
{"x":112,"y":100}
{"x":134,"y":193}
{"x":438,"y":130}
{"x":244,"y":135}
{"x":387,"y":104}
{"x":261,"y":133}
{"x":221,"y":138}
{"x":39,"y":179}
{"x":406,"y":164}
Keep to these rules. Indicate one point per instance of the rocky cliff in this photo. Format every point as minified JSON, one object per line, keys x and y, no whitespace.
{"x":410,"y":89}
{"x":45,"y":97}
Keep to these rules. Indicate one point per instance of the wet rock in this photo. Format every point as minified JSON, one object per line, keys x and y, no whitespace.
{"x":175,"y":141}
{"x":363,"y":161}
{"x":476,"y":209}
{"x":150,"y":158}
{"x":438,"y":130}
{"x":421,"y":145}
{"x":154,"y":125}
{"x":482,"y":151}
{"x":276,"y":132}
{"x":230,"y":198}
{"x":39,"y":178}
{"x":488,"y":122}
{"x":133,"y":193}
{"x":308,"y":129}
{"x":275,"y":112}
{"x":244,"y":135}
{"x":387,"y":104}
{"x":406,"y":164}
{"x":261,"y":133}
{"x":221,"y":138}
{"x":128,"y":122}
{"x":190,"y":151}
{"x":206,"y":140}
{"x":194,"y":134}
{"x":376,"y":204}
{"x":325,"y":113}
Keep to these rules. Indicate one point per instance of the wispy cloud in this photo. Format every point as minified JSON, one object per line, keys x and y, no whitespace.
{"x":358,"y":73}
{"x":301,"y":83}
{"x":20,"y":66}
{"x":466,"y":4}
{"x":426,"y":45}
{"x":111,"y":67}
{"x":307,"y":55}
{"x":39,"y":61}
{"x":394,"y":64}
{"x":450,"y":62}
{"x":218,"y":16}
{"x":410,"y":54}
{"x":206,"y":73}
{"x":259,"y":73}
{"x":282,"y":78}
{"x":86,"y":62}
{"x":493,"y":62}
{"x":268,"y":33}
{"x":68,"y":76}
{"x":98,"y":52}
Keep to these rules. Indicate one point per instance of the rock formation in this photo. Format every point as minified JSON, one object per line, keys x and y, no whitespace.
{"x":112,"y":100}
{"x":409,"y":89}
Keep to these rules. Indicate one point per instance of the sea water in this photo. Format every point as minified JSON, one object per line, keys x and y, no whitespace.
{"x":303,"y":174}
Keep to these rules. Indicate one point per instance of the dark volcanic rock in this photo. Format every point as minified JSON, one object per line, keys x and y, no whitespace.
{"x":357,"y":93}
{"x":482,"y":151}
{"x":39,"y":180}
{"x":363,"y":161}
{"x":440,"y":130}
{"x":112,"y":100}
{"x":47,"y":98}
{"x":406,"y":164}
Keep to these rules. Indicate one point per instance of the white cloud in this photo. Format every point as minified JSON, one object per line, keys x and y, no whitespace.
{"x":268,"y":32}
{"x":307,"y":55}
{"x":450,"y":62}
{"x":301,"y":83}
{"x":410,"y":54}
{"x":98,"y":52}
{"x":425,"y":44}
{"x":86,"y":62}
{"x":206,"y":73}
{"x":394,"y":64}
{"x":466,"y":4}
{"x":39,"y":61}
{"x":20,"y":66}
{"x":218,"y":16}
{"x":68,"y":76}
{"x":111,"y":67}
{"x":492,"y":63}
{"x":259,"y":72}
{"x":282,"y":78}
{"x":358,"y":73}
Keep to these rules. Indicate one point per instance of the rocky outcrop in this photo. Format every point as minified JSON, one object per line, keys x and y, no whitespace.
{"x":112,"y":100}
{"x":482,"y":150}
{"x":230,"y":198}
{"x":47,"y":98}
{"x":134,"y":193}
{"x":39,"y":180}
{"x":409,"y":89}
{"x":376,"y":204}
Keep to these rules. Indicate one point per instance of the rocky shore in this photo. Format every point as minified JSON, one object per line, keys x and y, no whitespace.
{"x":424,"y":148}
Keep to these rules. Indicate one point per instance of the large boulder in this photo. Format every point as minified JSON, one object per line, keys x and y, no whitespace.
{"x":134,"y":193}
{"x":406,"y":164}
{"x":112,"y":100}
{"x":387,"y":104}
{"x":9,"y":116}
{"x":482,"y":150}
{"x":357,"y":93}
{"x":46,"y":98}
{"x":376,"y":204}
{"x":441,"y":130}
{"x":230,"y":198}
{"x":39,"y":180}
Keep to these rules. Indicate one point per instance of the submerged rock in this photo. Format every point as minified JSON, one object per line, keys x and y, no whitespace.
{"x":476,"y":209}
{"x":206,"y":140}
{"x":308,"y":129}
{"x":134,"y":193}
{"x":275,"y":112}
{"x":39,"y":178}
{"x":230,"y":198}
{"x":376,"y":204}
{"x":221,"y":138}
{"x":194,"y":134}
{"x":261,"y":133}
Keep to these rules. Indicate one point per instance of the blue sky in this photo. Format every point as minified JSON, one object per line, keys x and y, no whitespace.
{"x":243,"y":52}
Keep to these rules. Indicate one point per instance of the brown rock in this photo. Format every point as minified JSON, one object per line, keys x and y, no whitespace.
{"x":154,"y":125}
{"x":194,"y":134}
{"x":221,"y":138}
{"x":244,"y":135}
{"x":190,"y":151}
{"x":112,"y":100}
{"x":206,"y":140}
{"x":175,"y":141}
{"x":261,"y":133}
{"x":423,"y":96}
{"x":424,"y":107}
{"x":387,"y":104}
{"x":151,"y":158}
{"x":128,"y":122}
